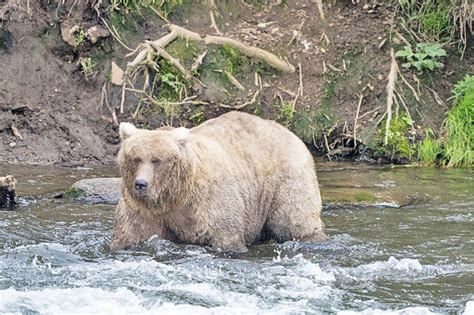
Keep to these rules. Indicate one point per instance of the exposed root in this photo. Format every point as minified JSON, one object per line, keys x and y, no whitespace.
{"x":172,"y":60}
{"x":234,"y":81}
{"x":198,"y":62}
{"x":361,"y":96}
{"x":147,"y":51}
{"x":252,"y":52}
{"x":213,"y":23}
{"x":319,"y":3}
{"x":392,"y":79}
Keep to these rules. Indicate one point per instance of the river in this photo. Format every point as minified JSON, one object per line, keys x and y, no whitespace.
{"x":379,"y":258}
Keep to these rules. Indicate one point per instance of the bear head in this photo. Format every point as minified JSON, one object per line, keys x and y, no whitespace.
{"x":154,"y":164}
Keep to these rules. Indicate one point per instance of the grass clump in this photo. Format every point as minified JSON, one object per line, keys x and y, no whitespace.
{"x":459,"y":125}
{"x":455,"y":146}
{"x":88,"y":68}
{"x":439,"y":20}
{"x":429,"y":149}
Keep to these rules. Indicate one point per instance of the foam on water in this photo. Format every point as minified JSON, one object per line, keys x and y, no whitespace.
{"x":405,"y":311}
{"x":77,"y":300}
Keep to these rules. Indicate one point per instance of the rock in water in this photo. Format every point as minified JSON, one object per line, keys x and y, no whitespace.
{"x":96,"y":190}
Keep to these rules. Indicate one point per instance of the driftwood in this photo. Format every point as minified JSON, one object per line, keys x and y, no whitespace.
{"x":7,"y":191}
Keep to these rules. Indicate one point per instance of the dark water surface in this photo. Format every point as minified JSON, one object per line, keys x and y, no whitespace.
{"x":416,"y":259}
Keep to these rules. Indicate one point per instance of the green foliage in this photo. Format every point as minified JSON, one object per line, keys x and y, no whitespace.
{"x":459,"y":125}
{"x":398,"y":144}
{"x":311,"y":126}
{"x":424,"y":57}
{"x":198,"y":117}
{"x":137,"y":6}
{"x":73,"y":193}
{"x":171,"y":83}
{"x":88,"y":68}
{"x":285,"y":112}
{"x":429,"y":149}
{"x":437,"y":19}
{"x":455,"y":147}
{"x":462,"y":88}
{"x":233,"y":59}
{"x":80,"y":37}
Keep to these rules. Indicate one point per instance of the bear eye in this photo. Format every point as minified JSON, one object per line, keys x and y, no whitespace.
{"x":136,"y":160}
{"x":156,"y":161}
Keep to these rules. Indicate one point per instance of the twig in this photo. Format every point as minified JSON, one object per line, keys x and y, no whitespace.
{"x":198,"y":62}
{"x":301,"y":80}
{"x":299,"y":92}
{"x":16,"y":132}
{"x":319,"y":3}
{"x":392,"y":79}
{"x":402,"y":100}
{"x":287,"y":92}
{"x":410,"y":86}
{"x":234,"y":81}
{"x":369,"y":112}
{"x":158,"y":13}
{"x":254,"y":98}
{"x":361,"y":96}
{"x":296,"y":33}
{"x":213,"y":22}
{"x":327,"y":147}
{"x":116,"y":36}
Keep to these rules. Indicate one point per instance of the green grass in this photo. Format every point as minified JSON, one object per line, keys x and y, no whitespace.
{"x":455,"y":146}
{"x":438,"y":20}
{"x":429,"y":149}
{"x":459,"y":125}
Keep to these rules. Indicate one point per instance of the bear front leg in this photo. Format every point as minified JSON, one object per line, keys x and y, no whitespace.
{"x":230,"y":243}
{"x":133,"y":225}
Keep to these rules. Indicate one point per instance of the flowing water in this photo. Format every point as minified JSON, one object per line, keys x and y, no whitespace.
{"x":414,"y":259}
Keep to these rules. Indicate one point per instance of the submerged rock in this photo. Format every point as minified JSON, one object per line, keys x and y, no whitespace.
{"x":96,"y":190}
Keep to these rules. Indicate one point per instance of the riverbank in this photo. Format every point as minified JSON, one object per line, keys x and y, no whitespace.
{"x":60,"y":101}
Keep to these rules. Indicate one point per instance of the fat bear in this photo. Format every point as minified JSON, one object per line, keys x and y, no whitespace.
{"x":228,"y":183}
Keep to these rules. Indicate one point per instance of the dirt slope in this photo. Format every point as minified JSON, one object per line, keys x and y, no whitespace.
{"x":44,"y":95}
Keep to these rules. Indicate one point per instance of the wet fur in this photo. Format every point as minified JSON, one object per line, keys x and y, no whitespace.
{"x":221,"y":184}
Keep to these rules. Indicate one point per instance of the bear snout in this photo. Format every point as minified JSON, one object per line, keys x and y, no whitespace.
{"x":141,"y":186}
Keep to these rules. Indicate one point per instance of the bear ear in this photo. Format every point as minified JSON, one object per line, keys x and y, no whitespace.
{"x":181,"y":134}
{"x":126,"y":130}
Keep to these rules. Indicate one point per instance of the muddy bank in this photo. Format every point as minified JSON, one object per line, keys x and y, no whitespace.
{"x":58,"y":103}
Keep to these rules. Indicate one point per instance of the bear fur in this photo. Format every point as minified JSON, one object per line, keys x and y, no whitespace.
{"x":230,"y":182}
{"x":7,"y":191}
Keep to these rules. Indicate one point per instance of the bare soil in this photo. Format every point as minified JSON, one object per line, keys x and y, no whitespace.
{"x":44,"y":95}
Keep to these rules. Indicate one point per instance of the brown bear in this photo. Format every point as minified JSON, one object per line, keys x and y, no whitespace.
{"x":7,"y":191}
{"x":227,"y":183}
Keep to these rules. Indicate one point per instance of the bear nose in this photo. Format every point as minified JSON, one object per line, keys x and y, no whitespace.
{"x":141,"y":185}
